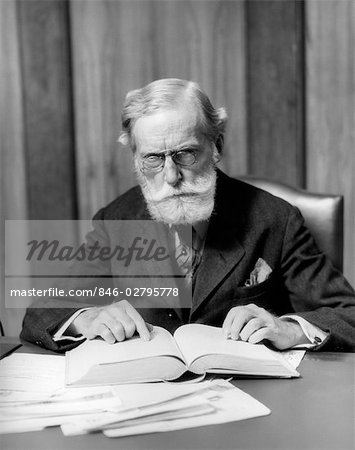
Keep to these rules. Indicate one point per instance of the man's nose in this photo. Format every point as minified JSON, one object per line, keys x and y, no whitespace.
{"x":171,"y":172}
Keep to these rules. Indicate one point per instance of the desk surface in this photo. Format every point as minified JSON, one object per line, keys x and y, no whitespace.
{"x":315,"y":411}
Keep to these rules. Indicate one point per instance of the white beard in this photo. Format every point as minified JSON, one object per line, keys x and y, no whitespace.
{"x":187,"y":204}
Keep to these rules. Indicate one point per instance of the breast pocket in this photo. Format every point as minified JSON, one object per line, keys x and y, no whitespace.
{"x":270,"y":295}
{"x":260,"y":290}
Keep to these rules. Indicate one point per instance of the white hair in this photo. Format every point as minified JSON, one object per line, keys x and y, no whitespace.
{"x":170,"y":93}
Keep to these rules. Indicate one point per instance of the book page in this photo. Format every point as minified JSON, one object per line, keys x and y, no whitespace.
{"x":95,"y":352}
{"x":196,"y":340}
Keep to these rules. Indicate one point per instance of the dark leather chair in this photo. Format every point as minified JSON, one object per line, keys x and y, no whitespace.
{"x":323,"y":214}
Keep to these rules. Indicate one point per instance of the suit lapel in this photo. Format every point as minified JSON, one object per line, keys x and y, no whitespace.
{"x":221,"y":254}
{"x":223,"y":250}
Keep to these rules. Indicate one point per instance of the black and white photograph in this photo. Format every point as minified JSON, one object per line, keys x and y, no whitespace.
{"x":177,"y":224}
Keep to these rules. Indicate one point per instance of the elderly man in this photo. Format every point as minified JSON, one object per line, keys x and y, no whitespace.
{"x":256,"y":270}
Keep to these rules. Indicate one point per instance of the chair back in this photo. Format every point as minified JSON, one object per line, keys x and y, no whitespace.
{"x":323,"y":214}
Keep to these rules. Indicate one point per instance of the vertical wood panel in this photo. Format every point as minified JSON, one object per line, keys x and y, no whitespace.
{"x":119,"y":46}
{"x":275,"y":89}
{"x":36,"y":117}
{"x":330,"y":97}
{"x":48,"y":119}
{"x":48,"y":124}
{"x":12,"y":164}
{"x":109,"y":41}
{"x":205,"y":41}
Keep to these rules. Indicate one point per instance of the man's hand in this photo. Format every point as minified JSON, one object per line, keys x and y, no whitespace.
{"x":115,"y":322}
{"x":253,"y":324}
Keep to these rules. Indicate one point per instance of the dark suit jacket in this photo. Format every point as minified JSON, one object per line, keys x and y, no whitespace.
{"x":247,"y":224}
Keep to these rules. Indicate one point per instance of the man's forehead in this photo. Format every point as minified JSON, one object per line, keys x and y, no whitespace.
{"x":167,"y":126}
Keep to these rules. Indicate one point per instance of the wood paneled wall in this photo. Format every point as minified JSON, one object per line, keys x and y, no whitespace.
{"x":330,"y":115}
{"x":13,"y":201}
{"x":283,"y":69}
{"x":276,"y":90}
{"x":119,"y":46}
{"x":47,"y":108}
{"x":37,"y":144}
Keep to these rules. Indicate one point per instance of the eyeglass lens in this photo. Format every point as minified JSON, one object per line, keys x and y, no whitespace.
{"x":181,"y":157}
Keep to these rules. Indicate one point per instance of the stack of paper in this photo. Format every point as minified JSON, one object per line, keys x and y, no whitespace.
{"x":32,"y":394}
{"x":40,"y":374}
{"x":164,"y":407}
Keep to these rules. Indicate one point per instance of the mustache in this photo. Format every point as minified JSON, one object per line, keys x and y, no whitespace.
{"x":185,"y":190}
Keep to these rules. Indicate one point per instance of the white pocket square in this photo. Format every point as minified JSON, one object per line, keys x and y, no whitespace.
{"x":260,"y":273}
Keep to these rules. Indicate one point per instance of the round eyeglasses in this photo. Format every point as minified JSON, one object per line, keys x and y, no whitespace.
{"x":156,"y":161}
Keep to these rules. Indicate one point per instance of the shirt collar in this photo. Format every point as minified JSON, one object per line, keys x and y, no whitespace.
{"x":200,"y":228}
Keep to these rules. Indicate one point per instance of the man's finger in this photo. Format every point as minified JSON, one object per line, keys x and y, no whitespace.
{"x":128,"y":325}
{"x":149,"y":326}
{"x":251,"y":327}
{"x":120,"y":316}
{"x":243,"y":317}
{"x":105,"y":333}
{"x":112,"y":321}
{"x":141,"y":326}
{"x":260,"y":335}
{"x":116,"y":327}
{"x":228,"y":322}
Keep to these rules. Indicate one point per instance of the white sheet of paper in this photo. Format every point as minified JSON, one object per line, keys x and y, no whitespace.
{"x":182,"y":406}
{"x":139,"y":399}
{"x":69,"y":402}
{"x":24,"y":425}
{"x":11,"y":398}
{"x":32,"y":373}
{"x":231,"y":405}
{"x":294,"y":357}
{"x":137,"y":395}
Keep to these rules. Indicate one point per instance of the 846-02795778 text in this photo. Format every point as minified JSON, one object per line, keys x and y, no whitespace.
{"x":139,"y":292}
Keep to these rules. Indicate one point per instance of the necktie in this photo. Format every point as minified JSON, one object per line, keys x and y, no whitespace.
{"x":187,"y":257}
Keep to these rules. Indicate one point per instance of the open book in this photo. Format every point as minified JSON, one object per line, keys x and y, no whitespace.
{"x":194,"y":347}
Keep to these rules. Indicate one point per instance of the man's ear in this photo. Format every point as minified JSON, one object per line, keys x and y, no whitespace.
{"x":219,"y":143}
{"x":123,"y":139}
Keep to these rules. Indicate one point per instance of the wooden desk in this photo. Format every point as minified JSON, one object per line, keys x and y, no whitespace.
{"x":312,"y":412}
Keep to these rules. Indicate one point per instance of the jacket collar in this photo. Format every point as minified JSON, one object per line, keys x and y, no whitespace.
{"x":223,"y":250}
